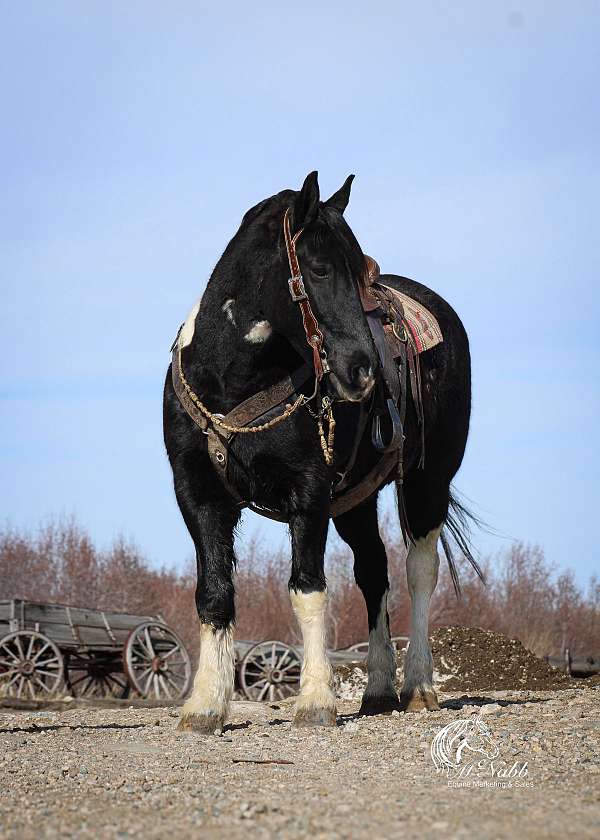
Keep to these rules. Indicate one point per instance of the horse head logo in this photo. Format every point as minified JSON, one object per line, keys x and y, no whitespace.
{"x":459,"y":742}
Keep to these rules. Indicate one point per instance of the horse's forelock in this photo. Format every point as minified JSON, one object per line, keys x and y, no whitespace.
{"x":331,"y":229}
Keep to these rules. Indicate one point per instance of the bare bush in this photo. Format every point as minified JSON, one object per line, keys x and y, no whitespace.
{"x":524,"y":597}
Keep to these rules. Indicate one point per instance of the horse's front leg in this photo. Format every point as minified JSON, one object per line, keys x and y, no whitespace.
{"x":211,"y":525}
{"x":315,"y":705}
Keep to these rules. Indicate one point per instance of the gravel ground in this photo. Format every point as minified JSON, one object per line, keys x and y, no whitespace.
{"x":116,"y":773}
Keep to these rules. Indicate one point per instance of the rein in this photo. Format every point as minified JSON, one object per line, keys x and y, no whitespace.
{"x":217,"y":419}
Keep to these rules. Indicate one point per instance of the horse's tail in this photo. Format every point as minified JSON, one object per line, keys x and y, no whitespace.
{"x":457,"y":528}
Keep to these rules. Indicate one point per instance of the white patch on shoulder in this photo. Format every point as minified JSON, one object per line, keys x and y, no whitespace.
{"x":260,"y":332}
{"x":187,"y":331}
{"x":228,"y":310}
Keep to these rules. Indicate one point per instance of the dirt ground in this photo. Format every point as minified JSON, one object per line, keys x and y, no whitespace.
{"x":127,"y":772}
{"x":473,"y":660}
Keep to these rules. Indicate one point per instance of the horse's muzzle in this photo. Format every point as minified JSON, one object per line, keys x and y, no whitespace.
{"x":355,"y":389}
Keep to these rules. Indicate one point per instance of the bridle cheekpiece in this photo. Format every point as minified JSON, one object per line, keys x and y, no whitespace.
{"x":314,"y":336}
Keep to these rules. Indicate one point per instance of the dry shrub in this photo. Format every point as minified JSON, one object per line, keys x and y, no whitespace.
{"x":524,"y":597}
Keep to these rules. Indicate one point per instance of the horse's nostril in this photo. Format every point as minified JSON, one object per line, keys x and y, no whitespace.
{"x":361,"y":375}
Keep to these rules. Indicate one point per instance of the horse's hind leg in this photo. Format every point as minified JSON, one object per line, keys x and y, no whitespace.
{"x":360,"y":530}
{"x":426,"y":509}
{"x":422,"y":565}
{"x":315,"y":704}
{"x":210,"y":523}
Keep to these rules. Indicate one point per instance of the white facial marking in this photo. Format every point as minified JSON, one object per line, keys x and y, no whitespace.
{"x":316,"y":677}
{"x":213,"y":683}
{"x":228,"y":310}
{"x":187,"y":331}
{"x":260,"y":332}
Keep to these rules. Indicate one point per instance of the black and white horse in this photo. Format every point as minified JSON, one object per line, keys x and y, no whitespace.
{"x":246,"y":334}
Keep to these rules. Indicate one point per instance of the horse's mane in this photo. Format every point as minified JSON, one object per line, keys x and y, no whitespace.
{"x":329,"y":229}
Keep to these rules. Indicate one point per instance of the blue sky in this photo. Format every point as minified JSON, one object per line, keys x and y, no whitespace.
{"x":134,"y":137}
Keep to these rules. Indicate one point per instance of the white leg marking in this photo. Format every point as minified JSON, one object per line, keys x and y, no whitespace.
{"x":213,"y":683}
{"x":228,"y":310}
{"x":422,"y":566}
{"x":187,"y":331}
{"x":259,"y":333}
{"x":316,"y":701}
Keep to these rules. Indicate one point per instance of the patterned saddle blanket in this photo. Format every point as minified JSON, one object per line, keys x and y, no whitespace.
{"x":423,"y":325}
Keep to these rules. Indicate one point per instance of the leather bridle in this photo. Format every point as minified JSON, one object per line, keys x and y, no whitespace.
{"x":314,"y":336}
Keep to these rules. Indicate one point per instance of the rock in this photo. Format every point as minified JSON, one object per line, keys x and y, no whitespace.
{"x":490,"y":708}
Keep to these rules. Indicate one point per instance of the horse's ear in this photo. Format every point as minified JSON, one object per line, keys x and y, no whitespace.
{"x":306,"y":205}
{"x":339,"y":200}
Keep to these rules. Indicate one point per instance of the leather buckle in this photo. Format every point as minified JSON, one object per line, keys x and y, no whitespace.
{"x":299,"y":295}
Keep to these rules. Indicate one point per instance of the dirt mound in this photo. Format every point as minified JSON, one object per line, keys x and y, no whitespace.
{"x":471,"y":659}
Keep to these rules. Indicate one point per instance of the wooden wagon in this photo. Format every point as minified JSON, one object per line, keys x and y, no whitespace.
{"x":47,"y":649}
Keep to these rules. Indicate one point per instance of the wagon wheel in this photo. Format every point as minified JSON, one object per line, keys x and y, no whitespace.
{"x":96,"y":676}
{"x":156,"y":662}
{"x":398,"y":643}
{"x":270,"y":671}
{"x":30,"y":665}
{"x":359,"y":647}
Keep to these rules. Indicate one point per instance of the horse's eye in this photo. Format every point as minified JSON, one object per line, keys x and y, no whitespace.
{"x":320,"y":272}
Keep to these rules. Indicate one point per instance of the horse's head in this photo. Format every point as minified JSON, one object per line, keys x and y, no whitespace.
{"x":332,"y":266}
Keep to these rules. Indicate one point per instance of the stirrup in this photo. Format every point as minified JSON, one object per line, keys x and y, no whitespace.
{"x":397,"y":437}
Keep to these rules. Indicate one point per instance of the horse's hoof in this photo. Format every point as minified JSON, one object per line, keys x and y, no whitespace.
{"x":379,"y":705}
{"x":203,"y":724}
{"x":315,"y":716}
{"x":419,"y":699}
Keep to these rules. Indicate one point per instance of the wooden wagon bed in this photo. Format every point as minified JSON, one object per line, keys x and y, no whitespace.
{"x":47,"y":648}
{"x":72,"y":627}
